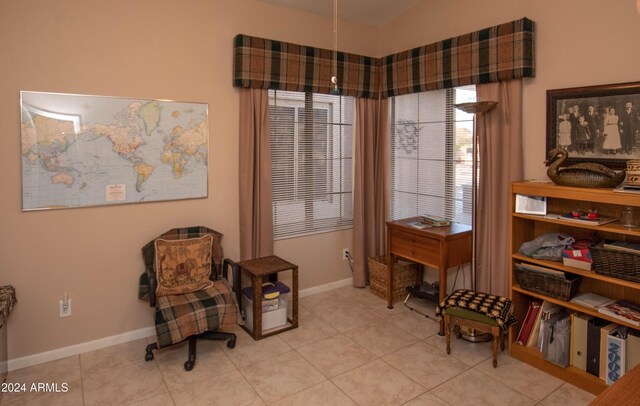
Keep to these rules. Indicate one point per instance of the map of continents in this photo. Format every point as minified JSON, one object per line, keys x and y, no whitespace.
{"x":94,"y":150}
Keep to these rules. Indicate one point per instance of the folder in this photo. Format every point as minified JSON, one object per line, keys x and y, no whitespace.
{"x":593,"y":345}
{"x":616,"y":354}
{"x":604,"y":334}
{"x":633,"y":350}
{"x":527,"y":325}
{"x":579,"y":340}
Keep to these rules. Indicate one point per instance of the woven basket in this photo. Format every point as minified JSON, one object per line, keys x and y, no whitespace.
{"x":405,"y":274}
{"x":548,"y":285}
{"x":622,"y":265}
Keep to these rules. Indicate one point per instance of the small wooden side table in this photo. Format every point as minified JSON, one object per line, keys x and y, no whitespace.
{"x":259,"y":268}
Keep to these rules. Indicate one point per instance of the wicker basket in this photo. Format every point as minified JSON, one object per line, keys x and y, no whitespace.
{"x":405,"y":274}
{"x":618,"y":264}
{"x":548,"y":285}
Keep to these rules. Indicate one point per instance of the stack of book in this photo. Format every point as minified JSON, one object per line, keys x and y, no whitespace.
{"x":435,"y":221}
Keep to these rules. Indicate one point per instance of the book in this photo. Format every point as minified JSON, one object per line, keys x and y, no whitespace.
{"x":435,"y":221}
{"x":623,"y":246}
{"x":419,"y":225}
{"x":527,"y":324}
{"x":580,"y":259}
{"x":535,"y":332}
{"x":600,"y":220}
{"x":622,"y":310}
{"x":591,"y":300}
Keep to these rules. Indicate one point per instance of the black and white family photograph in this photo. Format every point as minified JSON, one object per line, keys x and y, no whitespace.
{"x":596,"y":123}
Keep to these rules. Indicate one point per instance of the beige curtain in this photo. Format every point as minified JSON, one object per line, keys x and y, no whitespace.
{"x":372,"y":157}
{"x":500,"y":145}
{"x":256,"y":219}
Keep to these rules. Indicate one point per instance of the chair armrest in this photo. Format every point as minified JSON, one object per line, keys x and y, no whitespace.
{"x":153,"y":284}
{"x":235,"y":276}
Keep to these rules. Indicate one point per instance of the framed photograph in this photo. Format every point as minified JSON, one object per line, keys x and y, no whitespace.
{"x":595,"y":123}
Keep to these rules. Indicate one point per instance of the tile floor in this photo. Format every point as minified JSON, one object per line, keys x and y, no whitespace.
{"x":349,"y":350}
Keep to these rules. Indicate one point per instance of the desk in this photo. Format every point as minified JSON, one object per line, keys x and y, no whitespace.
{"x":437,"y":247}
{"x":625,"y":391}
{"x":259,"y":268}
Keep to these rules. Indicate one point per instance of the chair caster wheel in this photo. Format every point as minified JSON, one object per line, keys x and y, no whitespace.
{"x":148,"y":356}
{"x":188,"y":366}
{"x":231,"y":343}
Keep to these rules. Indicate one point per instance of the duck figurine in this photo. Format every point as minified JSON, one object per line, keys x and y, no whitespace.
{"x":589,"y":174}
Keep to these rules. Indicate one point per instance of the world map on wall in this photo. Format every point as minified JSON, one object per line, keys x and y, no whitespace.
{"x":82,"y":150}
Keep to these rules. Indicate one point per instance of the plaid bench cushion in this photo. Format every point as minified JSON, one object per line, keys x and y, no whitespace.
{"x":494,"y":307}
{"x":181,"y":316}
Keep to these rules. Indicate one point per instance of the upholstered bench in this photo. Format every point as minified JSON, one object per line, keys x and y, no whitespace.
{"x":483,"y":312}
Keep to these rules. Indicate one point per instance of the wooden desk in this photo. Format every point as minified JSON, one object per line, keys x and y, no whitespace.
{"x":437,"y":247}
{"x":625,"y":391}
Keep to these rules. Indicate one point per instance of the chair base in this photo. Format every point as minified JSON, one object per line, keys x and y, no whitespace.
{"x":191,"y":360}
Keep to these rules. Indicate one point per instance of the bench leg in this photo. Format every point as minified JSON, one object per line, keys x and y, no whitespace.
{"x":447,"y":332}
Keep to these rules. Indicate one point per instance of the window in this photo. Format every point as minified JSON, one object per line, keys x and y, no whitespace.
{"x":311,"y":139}
{"x":431,"y":161}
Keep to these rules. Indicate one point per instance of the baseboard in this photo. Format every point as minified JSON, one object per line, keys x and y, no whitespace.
{"x":41,"y":358}
{"x":326,"y":287}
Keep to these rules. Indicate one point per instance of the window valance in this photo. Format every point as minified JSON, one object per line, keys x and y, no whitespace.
{"x":498,"y":53}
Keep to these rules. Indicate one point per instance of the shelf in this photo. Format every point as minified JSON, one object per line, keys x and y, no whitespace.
{"x":587,"y":274}
{"x":548,"y":189}
{"x":614,"y":227}
{"x":570,"y":374}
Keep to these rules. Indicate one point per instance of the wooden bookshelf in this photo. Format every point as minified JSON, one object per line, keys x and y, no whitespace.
{"x":525,"y":227}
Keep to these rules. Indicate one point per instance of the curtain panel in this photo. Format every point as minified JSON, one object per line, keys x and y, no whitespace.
{"x":499,"y":53}
{"x":494,"y":54}
{"x":267,"y":64}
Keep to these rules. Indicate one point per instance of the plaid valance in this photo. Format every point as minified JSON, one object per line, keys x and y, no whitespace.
{"x":266,"y":64}
{"x":498,"y":53}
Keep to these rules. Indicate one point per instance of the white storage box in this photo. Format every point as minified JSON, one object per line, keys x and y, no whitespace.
{"x":270,"y":319}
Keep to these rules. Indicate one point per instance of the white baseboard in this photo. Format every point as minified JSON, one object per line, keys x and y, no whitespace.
{"x":326,"y":287}
{"x":41,"y":358}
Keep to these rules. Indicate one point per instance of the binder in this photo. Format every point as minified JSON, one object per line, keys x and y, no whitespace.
{"x":604,"y":335}
{"x":593,"y":345}
{"x":579,"y":340}
{"x":527,"y":324}
{"x":633,"y":350}
{"x":616,"y":354}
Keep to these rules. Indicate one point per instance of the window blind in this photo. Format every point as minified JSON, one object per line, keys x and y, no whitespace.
{"x":311,"y":149}
{"x":431,"y":154}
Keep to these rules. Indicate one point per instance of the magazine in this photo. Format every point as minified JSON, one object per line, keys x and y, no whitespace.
{"x":598,"y":221}
{"x":622,"y":310}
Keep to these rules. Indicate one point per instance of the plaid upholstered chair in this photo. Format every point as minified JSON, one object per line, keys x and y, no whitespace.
{"x":186,"y":279}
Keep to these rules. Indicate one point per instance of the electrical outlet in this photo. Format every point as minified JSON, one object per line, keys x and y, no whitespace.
{"x":345,"y":254}
{"x":65,"y":308}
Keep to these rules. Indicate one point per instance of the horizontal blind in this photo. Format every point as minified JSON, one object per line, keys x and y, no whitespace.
{"x":311,"y":148}
{"x":431,"y":155}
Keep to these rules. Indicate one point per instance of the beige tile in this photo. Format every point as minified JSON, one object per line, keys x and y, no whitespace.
{"x":309,"y":330}
{"x":276,"y":378}
{"x":522,"y":377}
{"x":227,"y":389}
{"x":345,"y":317}
{"x":426,"y":365}
{"x":470,"y":353}
{"x":116,"y":356}
{"x":248,"y":351}
{"x":123,"y":385}
{"x":427,"y":399}
{"x":161,"y":400}
{"x":335,"y":355}
{"x":62,"y":393}
{"x":320,"y":302}
{"x":376,"y":383}
{"x":474,"y":387}
{"x":378,"y":306}
{"x":322,"y":394}
{"x":568,"y":395}
{"x":211,"y":361}
{"x":381,"y":337}
{"x":416,"y":324}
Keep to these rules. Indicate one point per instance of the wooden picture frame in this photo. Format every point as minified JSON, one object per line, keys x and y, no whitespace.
{"x":611,"y":137}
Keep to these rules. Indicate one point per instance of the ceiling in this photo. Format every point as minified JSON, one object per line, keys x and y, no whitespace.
{"x":371,"y":12}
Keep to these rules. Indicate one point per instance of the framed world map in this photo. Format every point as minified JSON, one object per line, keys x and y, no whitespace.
{"x":81,"y":150}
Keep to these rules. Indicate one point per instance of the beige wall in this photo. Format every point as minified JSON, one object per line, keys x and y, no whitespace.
{"x":145,"y":49}
{"x":578,"y":43}
{"x":182,"y":51}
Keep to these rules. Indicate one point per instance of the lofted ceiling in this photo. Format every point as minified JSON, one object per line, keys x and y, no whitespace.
{"x":371,"y":12}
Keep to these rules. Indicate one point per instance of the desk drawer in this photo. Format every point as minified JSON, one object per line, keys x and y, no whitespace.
{"x":415,"y":247}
